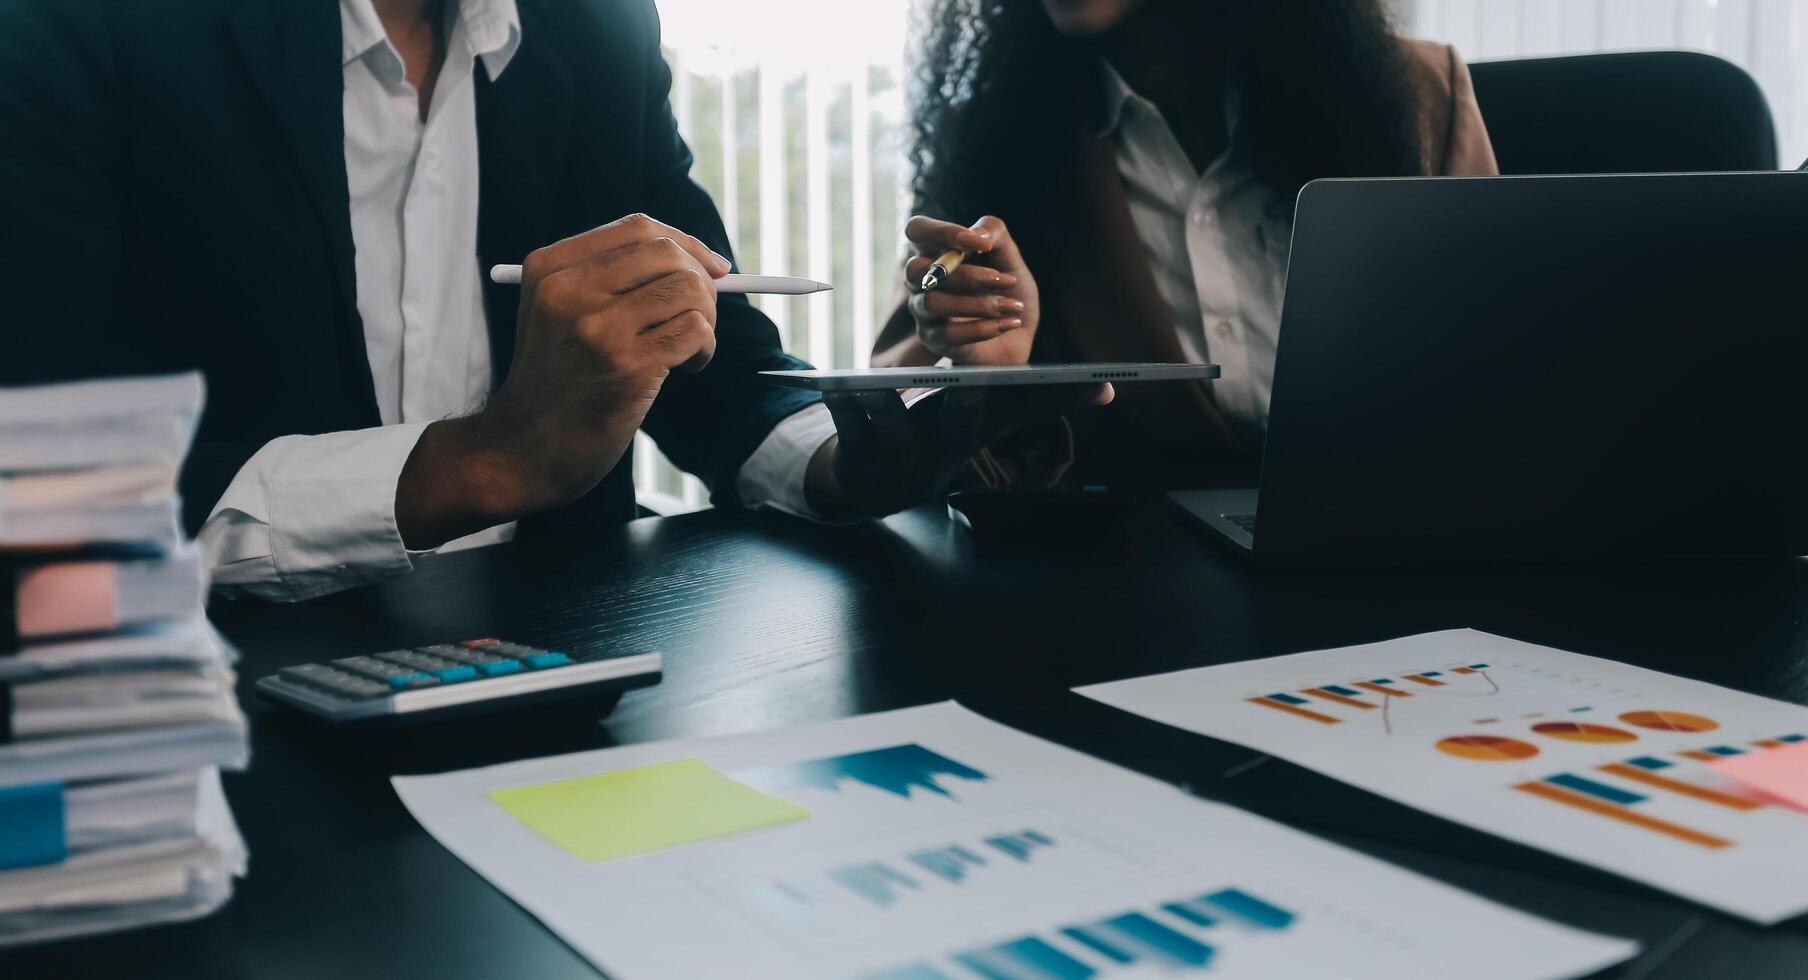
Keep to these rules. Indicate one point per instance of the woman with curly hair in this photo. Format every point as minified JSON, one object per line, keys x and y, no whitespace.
{"x":1132,"y":166}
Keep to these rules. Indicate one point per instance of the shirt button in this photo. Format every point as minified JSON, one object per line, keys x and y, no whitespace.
{"x":1225,"y":328}
{"x":1201,"y":217}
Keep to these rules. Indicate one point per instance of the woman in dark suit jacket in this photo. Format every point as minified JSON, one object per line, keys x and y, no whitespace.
{"x":1136,"y":162}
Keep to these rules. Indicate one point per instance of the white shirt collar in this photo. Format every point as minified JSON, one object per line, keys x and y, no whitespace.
{"x":1112,"y":87}
{"x":1118,"y":94}
{"x":491,"y":32}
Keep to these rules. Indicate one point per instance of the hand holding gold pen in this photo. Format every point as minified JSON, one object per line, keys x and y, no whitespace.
{"x":972,"y":297}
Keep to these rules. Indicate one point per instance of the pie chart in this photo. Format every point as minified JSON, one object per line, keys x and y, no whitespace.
{"x":1486,"y":748}
{"x":1581,"y":731}
{"x":1669,"y":721}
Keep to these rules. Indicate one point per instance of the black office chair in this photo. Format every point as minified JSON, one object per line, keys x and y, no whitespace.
{"x":1638,"y":112}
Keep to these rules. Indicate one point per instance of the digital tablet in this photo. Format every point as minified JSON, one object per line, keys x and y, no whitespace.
{"x":872,"y":379}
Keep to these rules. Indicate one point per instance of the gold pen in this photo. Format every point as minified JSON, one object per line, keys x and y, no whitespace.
{"x":942,"y":268}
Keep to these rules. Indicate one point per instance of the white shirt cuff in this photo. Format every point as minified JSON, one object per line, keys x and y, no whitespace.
{"x":309,"y":515}
{"x":774,"y":475}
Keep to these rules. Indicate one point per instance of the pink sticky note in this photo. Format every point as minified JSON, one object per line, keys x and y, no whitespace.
{"x":1780,"y":774}
{"x":76,"y":597}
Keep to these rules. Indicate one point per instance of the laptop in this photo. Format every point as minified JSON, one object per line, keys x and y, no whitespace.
{"x":1484,"y":370}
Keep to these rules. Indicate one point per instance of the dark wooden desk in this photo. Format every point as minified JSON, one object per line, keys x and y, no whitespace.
{"x":766,"y":622}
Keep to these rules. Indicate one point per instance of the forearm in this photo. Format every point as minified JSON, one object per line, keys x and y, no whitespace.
{"x":828,"y":498}
{"x":456,"y":482}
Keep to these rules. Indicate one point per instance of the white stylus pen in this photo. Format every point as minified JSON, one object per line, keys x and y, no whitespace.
{"x":734,"y":282}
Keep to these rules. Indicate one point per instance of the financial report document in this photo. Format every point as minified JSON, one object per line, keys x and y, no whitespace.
{"x":1602,"y":762}
{"x":934,"y":843}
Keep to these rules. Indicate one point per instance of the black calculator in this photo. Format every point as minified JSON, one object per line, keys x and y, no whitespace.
{"x":453,"y":678}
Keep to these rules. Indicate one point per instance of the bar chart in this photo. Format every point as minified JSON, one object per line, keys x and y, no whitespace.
{"x":882,"y":884}
{"x":904,"y":771}
{"x":1181,"y":935}
{"x":1019,"y":846}
{"x":1314,"y":703}
{"x":965,"y":866}
{"x":951,"y":864}
{"x":1655,"y":777}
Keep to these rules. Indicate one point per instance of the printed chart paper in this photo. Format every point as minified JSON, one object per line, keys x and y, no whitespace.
{"x":1602,"y":762}
{"x":941,"y":845}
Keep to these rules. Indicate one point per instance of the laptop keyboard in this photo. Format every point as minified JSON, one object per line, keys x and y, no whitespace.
{"x":1245,"y":521}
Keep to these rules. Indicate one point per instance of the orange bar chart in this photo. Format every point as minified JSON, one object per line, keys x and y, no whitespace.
{"x":1422,"y":679}
{"x":1702,"y":793}
{"x":1615,"y":812}
{"x":1293,"y":709}
{"x":1328,"y":695}
{"x":1378,"y":689}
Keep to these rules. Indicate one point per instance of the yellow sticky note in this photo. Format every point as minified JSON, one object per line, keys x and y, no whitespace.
{"x":615,"y":814}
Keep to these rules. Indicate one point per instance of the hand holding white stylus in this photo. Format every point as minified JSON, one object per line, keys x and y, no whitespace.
{"x":734,"y":282}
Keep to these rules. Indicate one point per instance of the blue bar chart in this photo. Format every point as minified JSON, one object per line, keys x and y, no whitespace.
{"x":881,"y":883}
{"x":877,"y":882}
{"x":951,"y":864}
{"x":962,"y":868}
{"x":1019,"y":846}
{"x":899,"y":770}
{"x":1182,"y":935}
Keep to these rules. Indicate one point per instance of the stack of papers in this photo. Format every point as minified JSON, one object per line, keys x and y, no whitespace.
{"x":117,"y":710}
{"x":94,"y":461}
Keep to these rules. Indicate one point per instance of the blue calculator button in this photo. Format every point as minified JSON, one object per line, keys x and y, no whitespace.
{"x":452,"y":675}
{"x":499,"y":668}
{"x":542,"y":660}
{"x":405,"y":681}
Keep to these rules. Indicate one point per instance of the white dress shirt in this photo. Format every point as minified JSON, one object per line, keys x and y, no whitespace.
{"x":307,"y":515}
{"x":1217,"y":244}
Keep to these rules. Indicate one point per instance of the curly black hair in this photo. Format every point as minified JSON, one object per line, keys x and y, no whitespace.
{"x":997,"y":95}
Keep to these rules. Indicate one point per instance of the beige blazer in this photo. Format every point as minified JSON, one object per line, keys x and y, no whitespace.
{"x":1099,"y":299}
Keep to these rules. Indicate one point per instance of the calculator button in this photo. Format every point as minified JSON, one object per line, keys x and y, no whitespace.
{"x":348,"y":686}
{"x":452,"y":675}
{"x":512,"y":649}
{"x":459,"y":655}
{"x":372,"y":667}
{"x":474,"y":644}
{"x":455,"y":653}
{"x":451,"y":651}
{"x":499,"y":668}
{"x":415,"y":661}
{"x":540,"y":661}
{"x":355,"y":688}
{"x":408,"y":682}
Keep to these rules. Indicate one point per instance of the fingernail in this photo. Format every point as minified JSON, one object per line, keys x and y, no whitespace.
{"x":1003,"y":280}
{"x":1011,"y":324}
{"x":1011,"y":305}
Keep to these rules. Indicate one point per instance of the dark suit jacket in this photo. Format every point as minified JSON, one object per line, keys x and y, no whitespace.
{"x":173,"y":195}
